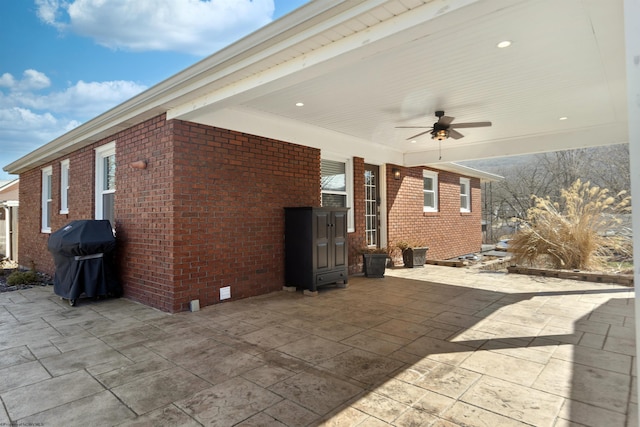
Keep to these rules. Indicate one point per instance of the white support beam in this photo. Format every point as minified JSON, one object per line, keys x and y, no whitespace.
{"x":632,"y":40}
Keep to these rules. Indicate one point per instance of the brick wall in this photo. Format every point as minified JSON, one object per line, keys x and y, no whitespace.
{"x":230,"y":191}
{"x":448,"y":232}
{"x":357,"y":239}
{"x":144,"y":212}
{"x":206,"y":213}
{"x":32,"y":242}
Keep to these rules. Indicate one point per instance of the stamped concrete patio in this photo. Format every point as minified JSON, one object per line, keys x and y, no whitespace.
{"x":435,"y":346}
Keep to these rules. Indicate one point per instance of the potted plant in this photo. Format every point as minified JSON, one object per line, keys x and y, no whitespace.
{"x":374,"y":261}
{"x":414,"y":253}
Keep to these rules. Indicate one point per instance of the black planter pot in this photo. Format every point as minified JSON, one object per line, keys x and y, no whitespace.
{"x":374,"y":264}
{"x":414,"y":257}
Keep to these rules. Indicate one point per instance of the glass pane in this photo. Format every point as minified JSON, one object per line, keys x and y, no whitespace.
{"x":334,"y":200}
{"x":107,"y":207}
{"x":428,"y":184}
{"x":110,"y":172}
{"x":48,"y":189}
{"x":463,"y":188}
{"x":333,"y":176}
{"x":428,"y":199}
{"x":48,"y":224}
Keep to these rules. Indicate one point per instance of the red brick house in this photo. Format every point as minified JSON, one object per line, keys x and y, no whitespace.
{"x":207,"y":209}
{"x":195,"y":172}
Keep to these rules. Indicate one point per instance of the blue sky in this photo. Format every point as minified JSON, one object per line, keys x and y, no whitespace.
{"x":63,"y":62}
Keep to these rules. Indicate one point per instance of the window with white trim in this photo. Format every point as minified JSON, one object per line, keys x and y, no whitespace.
{"x":105,"y":182}
{"x":337,"y":186}
{"x":47,"y":200}
{"x":64,"y":186}
{"x":465,"y":195}
{"x":430,"y":189}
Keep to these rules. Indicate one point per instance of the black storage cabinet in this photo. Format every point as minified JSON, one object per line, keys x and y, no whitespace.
{"x":316,"y":249}
{"x":83,"y":255}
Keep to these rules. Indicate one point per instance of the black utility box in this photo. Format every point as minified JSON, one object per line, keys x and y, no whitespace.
{"x":83,"y":255}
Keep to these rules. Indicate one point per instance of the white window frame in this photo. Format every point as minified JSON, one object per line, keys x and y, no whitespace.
{"x":434,"y":177}
{"x":47,"y":199}
{"x":101,"y":153}
{"x":348,"y":170}
{"x":466,"y":195}
{"x":64,"y":186}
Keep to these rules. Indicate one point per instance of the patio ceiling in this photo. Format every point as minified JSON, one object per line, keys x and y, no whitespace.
{"x":363,"y":69}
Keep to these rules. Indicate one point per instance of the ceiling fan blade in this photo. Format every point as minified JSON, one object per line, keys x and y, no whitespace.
{"x":419,"y":134}
{"x":471,"y":125}
{"x":445,"y":120}
{"x":455,"y":134}
{"x":414,"y":127}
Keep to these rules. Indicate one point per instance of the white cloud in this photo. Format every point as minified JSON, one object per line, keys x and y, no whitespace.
{"x":198,"y":27}
{"x":48,"y":11}
{"x":7,"y":80}
{"x":31,"y":80}
{"x":31,"y":116}
{"x":83,"y":99}
{"x":23,"y":130}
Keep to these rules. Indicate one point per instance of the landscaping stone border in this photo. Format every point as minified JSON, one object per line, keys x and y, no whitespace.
{"x":585,"y":276}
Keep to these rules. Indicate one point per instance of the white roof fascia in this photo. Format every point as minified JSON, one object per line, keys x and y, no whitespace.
{"x":9,"y":184}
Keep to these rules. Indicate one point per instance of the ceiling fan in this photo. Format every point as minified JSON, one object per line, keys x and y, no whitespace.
{"x":443,"y":128}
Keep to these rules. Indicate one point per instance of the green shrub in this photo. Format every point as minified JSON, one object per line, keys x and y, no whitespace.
{"x":18,"y":278}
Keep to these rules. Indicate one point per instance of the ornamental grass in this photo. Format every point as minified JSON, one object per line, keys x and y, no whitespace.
{"x":581,"y":232}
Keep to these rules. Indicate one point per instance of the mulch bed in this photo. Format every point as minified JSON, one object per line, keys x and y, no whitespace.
{"x":6,"y":268}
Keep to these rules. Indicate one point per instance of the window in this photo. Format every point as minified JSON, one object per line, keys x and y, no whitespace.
{"x":47,"y":200}
{"x":64,"y":186}
{"x":430,"y":189}
{"x":336,"y":186}
{"x":465,"y":195}
{"x":105,"y":182}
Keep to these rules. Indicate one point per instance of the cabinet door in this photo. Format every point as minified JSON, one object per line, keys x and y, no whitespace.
{"x":339,"y":235}
{"x":321,"y":222}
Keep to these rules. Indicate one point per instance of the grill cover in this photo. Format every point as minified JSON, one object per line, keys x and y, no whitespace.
{"x":83,"y":255}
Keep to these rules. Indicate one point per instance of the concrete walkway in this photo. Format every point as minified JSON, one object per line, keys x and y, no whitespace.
{"x":434,"y":346}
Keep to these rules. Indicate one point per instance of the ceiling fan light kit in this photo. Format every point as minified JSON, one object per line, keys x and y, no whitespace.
{"x":444,"y":128}
{"x":440,"y":135}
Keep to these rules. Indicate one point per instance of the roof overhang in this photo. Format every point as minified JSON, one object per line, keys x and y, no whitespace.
{"x":364,"y":68}
{"x":9,"y":186}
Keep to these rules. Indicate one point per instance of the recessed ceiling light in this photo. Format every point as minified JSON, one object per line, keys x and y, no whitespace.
{"x":299,"y":104}
{"x":563,"y":118}
{"x":503,"y":44}
{"x":413,"y":141}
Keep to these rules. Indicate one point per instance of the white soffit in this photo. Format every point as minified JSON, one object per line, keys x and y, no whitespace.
{"x":566,"y":60}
